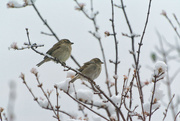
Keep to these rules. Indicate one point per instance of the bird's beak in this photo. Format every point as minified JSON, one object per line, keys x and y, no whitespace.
{"x":72,"y":43}
{"x":102,"y":63}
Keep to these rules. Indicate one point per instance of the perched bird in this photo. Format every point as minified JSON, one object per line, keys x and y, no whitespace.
{"x":91,"y":69}
{"x":61,"y":51}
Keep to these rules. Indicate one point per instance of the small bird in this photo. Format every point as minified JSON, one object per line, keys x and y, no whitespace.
{"x":61,"y":51}
{"x":91,"y":69}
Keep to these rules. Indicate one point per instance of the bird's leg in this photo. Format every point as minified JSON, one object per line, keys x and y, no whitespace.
{"x":63,"y":63}
{"x":58,"y":61}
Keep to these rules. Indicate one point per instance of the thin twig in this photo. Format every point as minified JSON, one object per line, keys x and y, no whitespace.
{"x":152,"y":99}
{"x":1,"y":119}
{"x":166,"y":110}
{"x":176,"y":20}
{"x":93,"y":19}
{"x":142,"y":37}
{"x":168,"y":82}
{"x":176,"y":116}
{"x":134,"y":55}
{"x":72,"y":57}
{"x":130,"y":28}
{"x":175,"y":29}
{"x":138,"y":55}
{"x":47,"y":34}
{"x":27,"y":47}
{"x":130,"y":91}
{"x":44,"y":21}
{"x":36,"y":99}
{"x":87,"y":107}
{"x":49,"y":102}
{"x":155,"y":110}
{"x":116,"y":47}
{"x":122,"y":94}
{"x":57,"y":100}
{"x":120,"y":112}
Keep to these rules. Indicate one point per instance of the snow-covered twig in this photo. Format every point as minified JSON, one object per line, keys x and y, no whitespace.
{"x":57,"y":101}
{"x":40,"y":85}
{"x":22,"y":76}
{"x":131,"y":36}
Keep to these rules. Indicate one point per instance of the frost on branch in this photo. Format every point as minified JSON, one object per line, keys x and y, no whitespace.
{"x":158,"y":94}
{"x":147,"y":107}
{"x":115,"y":76}
{"x":65,"y":85}
{"x":159,"y":71}
{"x":73,"y":114}
{"x":163,"y":13}
{"x":14,"y":46}
{"x":14,"y":4}
{"x":80,"y":6}
{"x":28,"y":2}
{"x":160,"y":68}
{"x":97,"y":35}
{"x":116,"y":99}
{"x":44,"y":104}
{"x":106,"y":104}
{"x":154,"y":104}
{"x":22,"y":76}
{"x":110,"y":108}
{"x":84,"y":95}
{"x":34,"y":71}
{"x":70,"y":74}
{"x":96,"y":118}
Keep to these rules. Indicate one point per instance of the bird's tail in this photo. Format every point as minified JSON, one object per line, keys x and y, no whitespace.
{"x":39,"y":64}
{"x":74,"y":79}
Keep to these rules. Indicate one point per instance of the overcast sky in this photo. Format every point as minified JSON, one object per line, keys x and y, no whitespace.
{"x":71,"y":24}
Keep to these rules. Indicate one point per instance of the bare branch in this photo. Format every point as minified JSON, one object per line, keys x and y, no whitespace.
{"x":93,"y":19}
{"x":152,"y":98}
{"x":169,"y":20}
{"x":166,"y":110}
{"x":116,"y":46}
{"x":47,"y":34}
{"x":176,"y":116}
{"x":176,"y":19}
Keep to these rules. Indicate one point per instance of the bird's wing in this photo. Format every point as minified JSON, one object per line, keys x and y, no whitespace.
{"x":85,"y":66}
{"x":55,"y":47}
